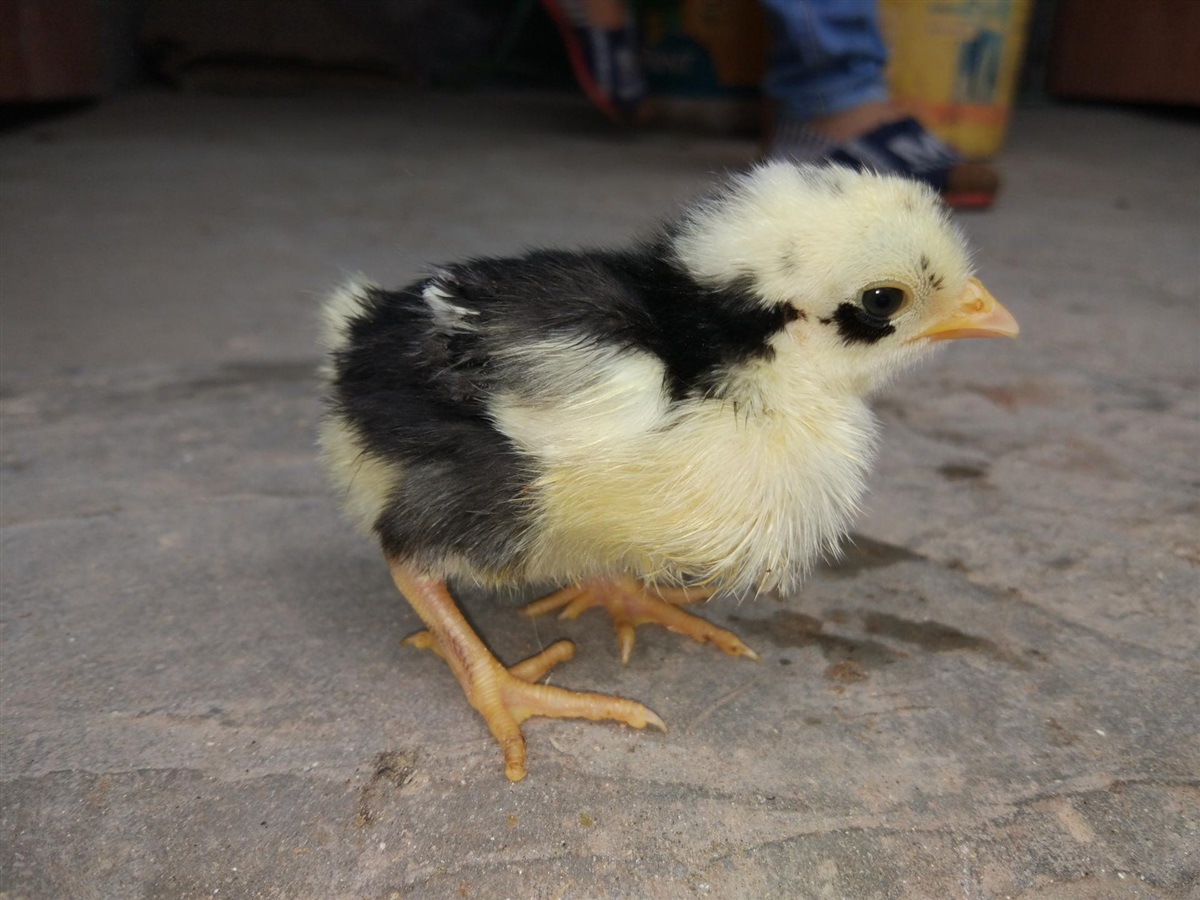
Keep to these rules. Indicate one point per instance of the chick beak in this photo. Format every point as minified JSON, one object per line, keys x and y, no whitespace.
{"x":977,"y":314}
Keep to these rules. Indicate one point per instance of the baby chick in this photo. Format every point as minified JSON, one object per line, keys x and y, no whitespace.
{"x":646,"y":425}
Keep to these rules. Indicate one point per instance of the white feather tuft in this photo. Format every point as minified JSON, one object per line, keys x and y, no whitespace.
{"x":343,"y":305}
{"x":447,"y":315}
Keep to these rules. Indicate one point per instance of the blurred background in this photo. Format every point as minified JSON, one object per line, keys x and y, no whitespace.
{"x":201,"y":691}
{"x":342,"y":129}
{"x":961,"y":63}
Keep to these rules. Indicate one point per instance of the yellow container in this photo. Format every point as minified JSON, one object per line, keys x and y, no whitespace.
{"x":955,"y":64}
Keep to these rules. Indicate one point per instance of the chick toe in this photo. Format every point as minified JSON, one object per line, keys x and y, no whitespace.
{"x":631,"y":603}
{"x":535,"y":668}
{"x":538,"y":666}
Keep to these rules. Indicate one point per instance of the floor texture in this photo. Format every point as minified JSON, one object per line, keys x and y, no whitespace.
{"x":994,"y":694}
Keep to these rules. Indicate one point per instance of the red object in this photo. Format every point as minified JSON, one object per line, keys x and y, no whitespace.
{"x":579,"y":66}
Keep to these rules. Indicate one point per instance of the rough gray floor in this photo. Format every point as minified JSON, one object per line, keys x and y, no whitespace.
{"x":994,"y":695}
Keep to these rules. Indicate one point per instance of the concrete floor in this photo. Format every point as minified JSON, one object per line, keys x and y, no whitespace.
{"x":993,"y":695}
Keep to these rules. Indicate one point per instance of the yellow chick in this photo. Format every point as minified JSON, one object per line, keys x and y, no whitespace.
{"x":645,"y":425}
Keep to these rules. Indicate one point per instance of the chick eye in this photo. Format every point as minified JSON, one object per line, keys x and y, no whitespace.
{"x":883,"y":302}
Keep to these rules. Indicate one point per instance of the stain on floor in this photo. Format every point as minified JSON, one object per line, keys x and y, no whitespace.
{"x":792,"y":629}
{"x":861,"y":553}
{"x":935,"y":636}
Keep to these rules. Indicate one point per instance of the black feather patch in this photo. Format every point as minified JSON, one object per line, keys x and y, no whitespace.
{"x":857,"y":326}
{"x":402,"y":391}
{"x":639,"y":300}
{"x":697,"y":331}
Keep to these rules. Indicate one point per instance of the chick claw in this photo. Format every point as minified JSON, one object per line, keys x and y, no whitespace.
{"x":631,"y":603}
{"x":506,"y":697}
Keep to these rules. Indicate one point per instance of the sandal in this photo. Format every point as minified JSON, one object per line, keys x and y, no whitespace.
{"x":902,"y":147}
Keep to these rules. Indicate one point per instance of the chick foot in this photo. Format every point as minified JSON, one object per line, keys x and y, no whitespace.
{"x":505,"y":697}
{"x":631,"y":603}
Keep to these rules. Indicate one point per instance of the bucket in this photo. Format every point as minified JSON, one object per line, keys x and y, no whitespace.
{"x":955,"y":64}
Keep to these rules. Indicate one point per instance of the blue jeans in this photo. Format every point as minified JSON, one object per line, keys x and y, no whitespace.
{"x":827,"y":56}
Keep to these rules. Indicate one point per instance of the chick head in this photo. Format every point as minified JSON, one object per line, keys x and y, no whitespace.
{"x":871,"y":268}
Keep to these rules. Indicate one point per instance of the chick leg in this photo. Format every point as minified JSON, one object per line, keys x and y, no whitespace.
{"x":505,"y":697}
{"x":631,"y":603}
